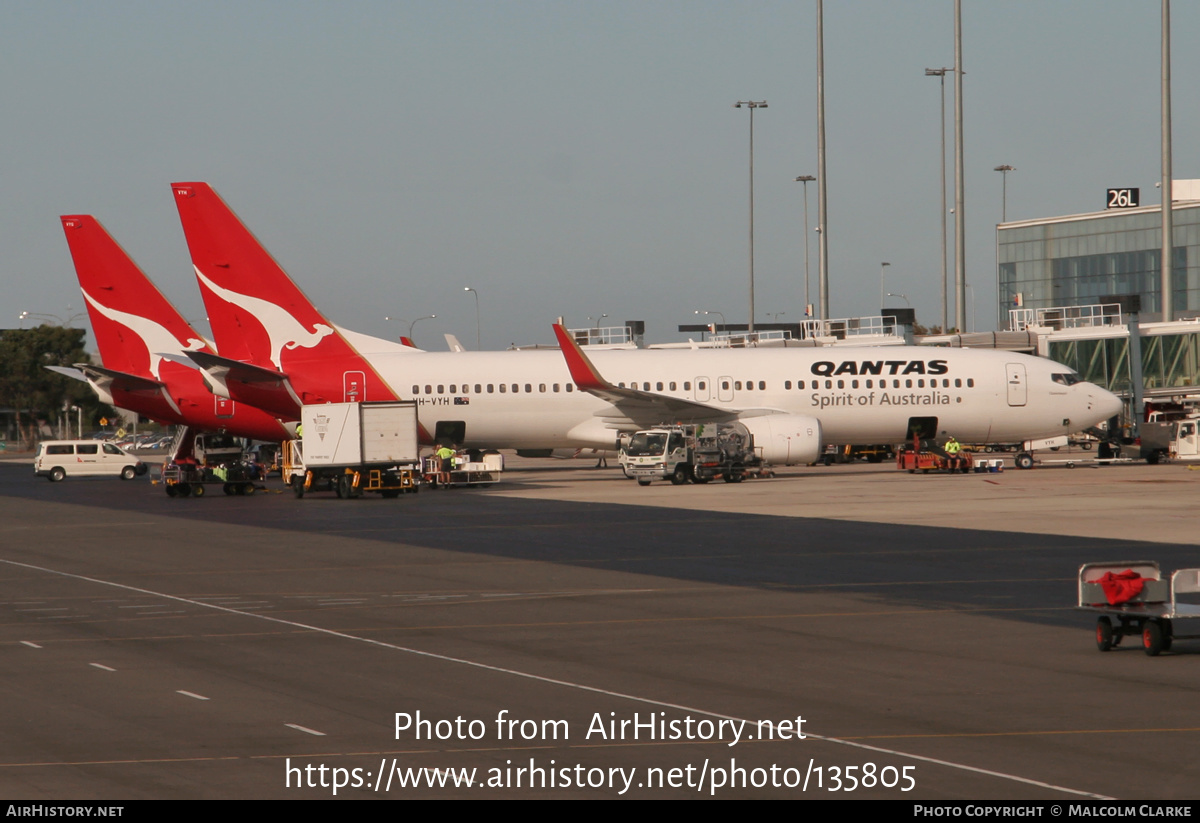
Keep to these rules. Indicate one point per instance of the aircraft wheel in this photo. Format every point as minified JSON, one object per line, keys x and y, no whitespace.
{"x":298,"y":486}
{"x":1152,"y":637}
{"x":198,"y":491}
{"x":643,"y":481}
{"x":1024,"y":460}
{"x":1104,"y":634}
{"x":57,"y":474}
{"x":679,"y":477}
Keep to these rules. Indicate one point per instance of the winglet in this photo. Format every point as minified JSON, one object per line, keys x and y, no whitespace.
{"x":584,"y":374}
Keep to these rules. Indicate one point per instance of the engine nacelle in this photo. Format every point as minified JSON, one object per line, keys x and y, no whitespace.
{"x":785,"y":439}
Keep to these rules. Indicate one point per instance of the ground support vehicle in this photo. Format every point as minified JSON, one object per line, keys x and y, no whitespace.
{"x":200,"y":462}
{"x":926,"y":456}
{"x":875,"y":453}
{"x":56,"y":459}
{"x":469,"y":470}
{"x":352,"y":448}
{"x":1156,"y":612}
{"x":1170,"y":440}
{"x":693,"y":452}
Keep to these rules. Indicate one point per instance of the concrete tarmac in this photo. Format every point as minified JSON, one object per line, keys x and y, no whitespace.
{"x":568,"y":633}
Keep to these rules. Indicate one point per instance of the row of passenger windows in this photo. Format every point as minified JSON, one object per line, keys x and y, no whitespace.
{"x":909,"y":383}
{"x":701,"y":385}
{"x":491,"y":388}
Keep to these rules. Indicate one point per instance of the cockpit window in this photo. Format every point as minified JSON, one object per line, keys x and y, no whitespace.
{"x":1069,"y":379}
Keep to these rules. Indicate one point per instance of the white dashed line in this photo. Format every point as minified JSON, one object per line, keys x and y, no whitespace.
{"x":102,"y":666}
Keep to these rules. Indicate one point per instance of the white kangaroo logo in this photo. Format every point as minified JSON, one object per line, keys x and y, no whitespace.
{"x":284,"y":330}
{"x":155,"y":336}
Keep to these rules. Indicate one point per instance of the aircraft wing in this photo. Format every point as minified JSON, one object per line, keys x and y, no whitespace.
{"x":642,"y":408}
{"x":111,"y":379}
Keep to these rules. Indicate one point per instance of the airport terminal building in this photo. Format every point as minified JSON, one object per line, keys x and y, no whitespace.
{"x":1060,"y":277}
{"x":1080,"y":259}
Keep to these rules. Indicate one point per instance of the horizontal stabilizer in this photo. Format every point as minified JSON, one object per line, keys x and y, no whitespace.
{"x":119,"y":380}
{"x":235,"y":369}
{"x":74,"y":374}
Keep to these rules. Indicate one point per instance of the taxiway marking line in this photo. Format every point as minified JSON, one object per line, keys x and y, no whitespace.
{"x":555,"y":681}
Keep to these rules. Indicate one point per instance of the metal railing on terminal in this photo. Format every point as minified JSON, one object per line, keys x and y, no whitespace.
{"x":603,"y":336}
{"x":1058,"y":318}
{"x":844,"y":327}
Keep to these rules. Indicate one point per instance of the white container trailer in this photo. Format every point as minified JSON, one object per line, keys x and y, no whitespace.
{"x":357,"y":447}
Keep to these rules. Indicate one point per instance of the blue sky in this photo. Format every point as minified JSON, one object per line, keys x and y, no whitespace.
{"x":573,"y":158}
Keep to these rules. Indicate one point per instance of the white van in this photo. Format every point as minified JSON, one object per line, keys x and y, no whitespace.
{"x":84,"y":458}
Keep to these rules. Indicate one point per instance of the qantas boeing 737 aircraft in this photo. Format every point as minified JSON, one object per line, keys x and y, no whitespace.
{"x":794,"y":400}
{"x":135,"y":326}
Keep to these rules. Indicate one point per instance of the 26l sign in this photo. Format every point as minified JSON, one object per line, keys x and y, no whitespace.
{"x":1124,"y":198}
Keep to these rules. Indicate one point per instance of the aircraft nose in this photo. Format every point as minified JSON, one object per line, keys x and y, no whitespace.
{"x":1104,"y":402}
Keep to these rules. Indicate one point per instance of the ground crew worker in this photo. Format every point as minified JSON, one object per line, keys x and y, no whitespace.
{"x":445,"y":456}
{"x":953,"y":450}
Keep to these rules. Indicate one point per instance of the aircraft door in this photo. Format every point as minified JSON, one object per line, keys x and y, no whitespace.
{"x":450,"y":431}
{"x":354,"y":387}
{"x":1017,"y":387}
{"x":922,"y":428}
{"x":223,"y":406}
{"x":725,"y":389}
{"x":703,"y":390}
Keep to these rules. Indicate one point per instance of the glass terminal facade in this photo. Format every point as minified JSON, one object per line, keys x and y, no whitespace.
{"x":1082,"y":259}
{"x":1170,"y":360}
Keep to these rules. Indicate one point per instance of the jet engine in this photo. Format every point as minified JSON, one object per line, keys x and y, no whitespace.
{"x":785,"y":439}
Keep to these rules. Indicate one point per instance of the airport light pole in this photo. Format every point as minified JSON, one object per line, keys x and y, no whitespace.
{"x":701,"y":311}
{"x":415,"y":322}
{"x":882,"y":269}
{"x":1004,"y":170}
{"x":1167,"y":258}
{"x":395,"y":320}
{"x":900,"y":294}
{"x":806,"y":179}
{"x":58,"y":321}
{"x":960,"y":196}
{"x":941,"y":75}
{"x":478,"y":347}
{"x":752,"y":105}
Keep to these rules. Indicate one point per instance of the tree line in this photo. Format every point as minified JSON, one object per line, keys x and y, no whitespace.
{"x":32,"y":396}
